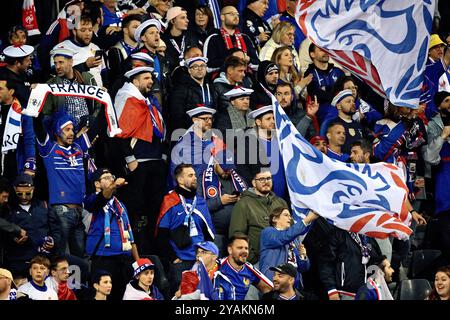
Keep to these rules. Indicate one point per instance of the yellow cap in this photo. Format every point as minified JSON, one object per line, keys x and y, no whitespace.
{"x":436,"y":41}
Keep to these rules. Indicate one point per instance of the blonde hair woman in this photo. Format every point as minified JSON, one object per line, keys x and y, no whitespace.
{"x":283,"y":35}
{"x":284,"y":59}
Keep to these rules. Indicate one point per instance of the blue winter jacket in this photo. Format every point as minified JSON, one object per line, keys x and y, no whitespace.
{"x":274,"y":250}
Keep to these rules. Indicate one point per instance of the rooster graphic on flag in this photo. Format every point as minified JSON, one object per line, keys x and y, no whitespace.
{"x":384,"y":43}
{"x":363,"y":198}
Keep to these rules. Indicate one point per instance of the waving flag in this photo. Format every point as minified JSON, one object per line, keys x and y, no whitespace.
{"x":362,"y":198}
{"x":384,"y":43}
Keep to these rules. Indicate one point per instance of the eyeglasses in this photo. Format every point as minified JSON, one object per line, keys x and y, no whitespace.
{"x":23,"y":194}
{"x":202,"y":252}
{"x":206,"y":119}
{"x":111,"y":177}
{"x":234,"y":14}
{"x":262,"y":180}
{"x":198,"y":67}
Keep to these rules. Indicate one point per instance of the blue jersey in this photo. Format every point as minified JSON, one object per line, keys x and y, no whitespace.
{"x":343,"y":157}
{"x":65,"y":170}
{"x":200,"y":221}
{"x":243,"y":278}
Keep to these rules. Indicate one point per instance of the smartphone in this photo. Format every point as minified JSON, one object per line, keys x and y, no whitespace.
{"x":236,"y":193}
{"x":98,"y":53}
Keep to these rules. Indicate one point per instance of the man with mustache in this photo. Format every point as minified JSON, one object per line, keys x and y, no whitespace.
{"x":240,"y":273}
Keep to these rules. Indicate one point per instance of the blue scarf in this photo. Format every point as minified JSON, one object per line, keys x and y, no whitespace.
{"x":212,"y":186}
{"x":115,"y":207}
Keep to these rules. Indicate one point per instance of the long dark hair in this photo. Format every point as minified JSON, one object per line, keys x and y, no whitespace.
{"x":433,"y":294}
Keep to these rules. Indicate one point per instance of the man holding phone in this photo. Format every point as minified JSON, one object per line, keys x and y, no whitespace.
{"x":88,"y":55}
{"x":221,"y":186}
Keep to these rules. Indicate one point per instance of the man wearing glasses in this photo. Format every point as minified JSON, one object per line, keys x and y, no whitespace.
{"x":196,"y":145}
{"x":41,"y":225}
{"x":195,"y":91}
{"x":251,"y":213}
{"x":110,"y":241}
{"x":218,"y":44}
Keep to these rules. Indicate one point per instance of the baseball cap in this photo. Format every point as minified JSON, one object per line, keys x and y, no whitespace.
{"x":286,"y":268}
{"x":208,"y":246}
{"x":23,"y":179}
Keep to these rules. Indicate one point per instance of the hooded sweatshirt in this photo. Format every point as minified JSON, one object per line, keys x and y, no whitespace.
{"x":259,"y":97}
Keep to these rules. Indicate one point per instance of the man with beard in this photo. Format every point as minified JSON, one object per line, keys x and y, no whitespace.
{"x":283,"y":284}
{"x":228,"y":37}
{"x":196,"y":145}
{"x":345,"y":104}
{"x":79,"y":108}
{"x":262,"y":150}
{"x":89,"y":57}
{"x":376,"y":287}
{"x":251,"y":213}
{"x":184,"y":220}
{"x":142,"y":148}
{"x":325,"y":75}
{"x":302,"y":118}
{"x":239,"y":273}
{"x":63,"y":151}
{"x":267,"y":79}
{"x":148,"y":34}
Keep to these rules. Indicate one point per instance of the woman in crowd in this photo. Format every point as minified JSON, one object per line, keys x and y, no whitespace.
{"x":441,"y":290}
{"x":102,"y":284}
{"x":283,"y":35}
{"x":284,"y":59}
{"x":201,"y":27}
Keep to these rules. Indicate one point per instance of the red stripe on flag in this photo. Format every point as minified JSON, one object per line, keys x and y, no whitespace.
{"x":378,"y":235}
{"x":360,"y":61}
{"x":360,"y":223}
{"x":385,"y":217}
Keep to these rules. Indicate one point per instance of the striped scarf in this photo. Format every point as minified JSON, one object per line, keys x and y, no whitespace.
{"x":239,"y":39}
{"x":115,"y":207}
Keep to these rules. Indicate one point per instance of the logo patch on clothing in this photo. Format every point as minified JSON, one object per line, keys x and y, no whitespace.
{"x":212,"y":192}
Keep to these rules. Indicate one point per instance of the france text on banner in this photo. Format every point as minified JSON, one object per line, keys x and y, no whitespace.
{"x":363,"y":198}
{"x":42,"y":90}
{"x":384,"y":43}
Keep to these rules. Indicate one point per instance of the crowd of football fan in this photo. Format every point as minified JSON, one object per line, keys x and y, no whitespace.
{"x":193,"y":188}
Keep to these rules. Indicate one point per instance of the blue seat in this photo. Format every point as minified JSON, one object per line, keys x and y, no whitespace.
{"x":414,"y":289}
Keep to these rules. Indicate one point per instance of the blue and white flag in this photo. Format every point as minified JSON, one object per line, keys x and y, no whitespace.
{"x":385,"y":43}
{"x":362,"y":198}
{"x":205,"y":285}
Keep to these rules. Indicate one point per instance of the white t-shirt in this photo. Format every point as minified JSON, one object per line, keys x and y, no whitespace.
{"x":36,"y":292}
{"x":82,"y":53}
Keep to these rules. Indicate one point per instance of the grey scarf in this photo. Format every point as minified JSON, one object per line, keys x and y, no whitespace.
{"x":237,"y":120}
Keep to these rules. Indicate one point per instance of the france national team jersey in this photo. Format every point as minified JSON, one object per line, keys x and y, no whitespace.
{"x":65,"y":171}
{"x":243,"y":278}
